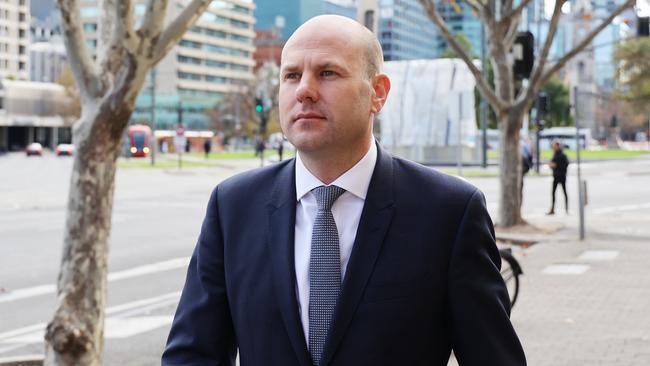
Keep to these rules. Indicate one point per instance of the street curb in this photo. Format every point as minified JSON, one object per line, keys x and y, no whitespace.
{"x":25,"y":360}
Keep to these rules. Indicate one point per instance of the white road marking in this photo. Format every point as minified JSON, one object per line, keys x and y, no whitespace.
{"x":168,"y":265}
{"x":566,"y":269}
{"x":604,"y":210}
{"x":598,"y":255}
{"x":119,"y":322}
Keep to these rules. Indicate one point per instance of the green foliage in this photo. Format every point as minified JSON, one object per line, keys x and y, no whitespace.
{"x":559,"y":104}
{"x":633,"y":73}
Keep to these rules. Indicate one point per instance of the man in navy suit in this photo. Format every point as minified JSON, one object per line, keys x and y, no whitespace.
{"x":344,"y":255}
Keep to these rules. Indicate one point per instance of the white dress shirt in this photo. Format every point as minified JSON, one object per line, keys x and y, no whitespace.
{"x":346,"y":211}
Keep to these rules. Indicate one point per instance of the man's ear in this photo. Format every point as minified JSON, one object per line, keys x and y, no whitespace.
{"x":381,"y":87}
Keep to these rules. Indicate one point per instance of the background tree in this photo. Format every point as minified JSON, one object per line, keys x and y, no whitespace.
{"x":559,"y":104}
{"x":633,"y":73}
{"x":509,"y":100}
{"x":108,"y":87}
{"x":73,"y":107}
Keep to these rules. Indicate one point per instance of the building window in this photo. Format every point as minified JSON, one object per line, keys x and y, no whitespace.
{"x":21,"y":50}
{"x":190,"y":44}
{"x":216,"y":79}
{"x":189,"y":60}
{"x":21,"y":66}
{"x":21,"y":33}
{"x":89,"y":12}
{"x":215,"y":33}
{"x":240,"y":67}
{"x":369,"y":19}
{"x":239,"y":24}
{"x":189,"y":76}
{"x":90,"y":27}
{"x":216,"y":64}
{"x":21,"y":17}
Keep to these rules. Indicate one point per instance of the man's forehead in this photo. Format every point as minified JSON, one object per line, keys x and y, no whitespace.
{"x":317,"y":52}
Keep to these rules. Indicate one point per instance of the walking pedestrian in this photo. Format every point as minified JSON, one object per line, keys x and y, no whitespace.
{"x":559,"y":165}
{"x":207,"y":146}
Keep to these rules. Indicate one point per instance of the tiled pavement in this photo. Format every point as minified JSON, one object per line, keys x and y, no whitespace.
{"x":598,"y":317}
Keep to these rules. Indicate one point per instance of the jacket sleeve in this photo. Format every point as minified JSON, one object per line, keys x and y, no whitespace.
{"x":478,"y":301}
{"x":202,"y":331}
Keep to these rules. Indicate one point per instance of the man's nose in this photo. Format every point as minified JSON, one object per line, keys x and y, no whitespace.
{"x":307,"y":90}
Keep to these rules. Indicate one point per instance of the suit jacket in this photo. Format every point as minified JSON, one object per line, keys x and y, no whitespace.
{"x":423,"y":277}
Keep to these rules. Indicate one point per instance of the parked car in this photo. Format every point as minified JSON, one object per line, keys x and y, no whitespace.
{"x":34,"y":149}
{"x":64,"y":149}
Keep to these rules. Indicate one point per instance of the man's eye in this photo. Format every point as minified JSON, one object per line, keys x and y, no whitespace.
{"x":327,"y":73}
{"x":292,"y":76}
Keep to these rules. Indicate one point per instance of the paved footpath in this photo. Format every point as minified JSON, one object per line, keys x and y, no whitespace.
{"x":587,"y":303}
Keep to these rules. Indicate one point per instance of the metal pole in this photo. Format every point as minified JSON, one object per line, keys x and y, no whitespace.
{"x":180,"y":122}
{"x":581,"y":202}
{"x":154,"y":145}
{"x":483,"y":105}
{"x":459,"y":151}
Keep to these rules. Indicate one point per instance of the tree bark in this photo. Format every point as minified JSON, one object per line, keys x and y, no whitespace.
{"x":75,"y":335}
{"x":510,"y":122}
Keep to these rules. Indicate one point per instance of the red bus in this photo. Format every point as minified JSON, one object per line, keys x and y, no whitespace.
{"x":140,"y":140}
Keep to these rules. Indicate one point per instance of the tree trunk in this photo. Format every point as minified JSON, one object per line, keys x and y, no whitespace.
{"x":510,"y":176}
{"x":75,"y":335}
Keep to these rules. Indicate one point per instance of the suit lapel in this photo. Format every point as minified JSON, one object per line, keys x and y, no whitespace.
{"x":282,"y":218}
{"x":375,"y":219}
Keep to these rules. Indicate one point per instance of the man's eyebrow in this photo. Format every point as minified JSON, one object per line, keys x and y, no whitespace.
{"x":288,"y":68}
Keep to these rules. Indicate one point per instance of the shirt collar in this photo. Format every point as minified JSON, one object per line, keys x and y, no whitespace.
{"x":356,"y":180}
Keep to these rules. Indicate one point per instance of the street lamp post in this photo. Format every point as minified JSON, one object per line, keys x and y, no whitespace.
{"x":154,"y":145}
{"x":581,"y":191}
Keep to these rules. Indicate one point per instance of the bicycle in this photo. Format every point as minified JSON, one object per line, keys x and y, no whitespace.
{"x":510,"y":271}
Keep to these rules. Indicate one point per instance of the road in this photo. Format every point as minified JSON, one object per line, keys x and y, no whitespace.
{"x":156,"y":220}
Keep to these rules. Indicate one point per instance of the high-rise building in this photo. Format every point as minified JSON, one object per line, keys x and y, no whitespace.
{"x":460,"y":19}
{"x":405,"y":32}
{"x":275,"y":24}
{"x":214,"y":58}
{"x":14,"y":39}
{"x":47,"y":60}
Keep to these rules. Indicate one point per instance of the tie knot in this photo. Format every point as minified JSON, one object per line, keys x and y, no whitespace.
{"x":326,"y":195}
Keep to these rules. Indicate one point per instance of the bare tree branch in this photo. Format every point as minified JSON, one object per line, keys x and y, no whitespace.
{"x":83,"y":68}
{"x":542,"y":58}
{"x":476,"y":6}
{"x":481,"y":81}
{"x":516,"y":12}
{"x":151,"y":27}
{"x":174,"y":31}
{"x":119,"y":37}
{"x":586,"y":41}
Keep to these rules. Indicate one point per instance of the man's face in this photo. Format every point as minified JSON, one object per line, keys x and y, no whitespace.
{"x":325,"y":93}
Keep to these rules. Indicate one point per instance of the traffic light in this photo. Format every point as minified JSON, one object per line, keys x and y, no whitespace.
{"x":524,"y":54}
{"x":259,"y":105}
{"x":643,"y":27}
{"x":542,"y":103}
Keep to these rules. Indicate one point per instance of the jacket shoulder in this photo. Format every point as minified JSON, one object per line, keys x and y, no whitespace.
{"x":253,"y":181}
{"x":427,"y":179}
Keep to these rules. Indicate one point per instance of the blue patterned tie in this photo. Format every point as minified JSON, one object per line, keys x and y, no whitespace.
{"x":324,"y":270}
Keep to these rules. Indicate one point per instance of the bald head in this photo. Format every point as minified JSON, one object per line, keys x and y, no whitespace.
{"x":318,"y":29}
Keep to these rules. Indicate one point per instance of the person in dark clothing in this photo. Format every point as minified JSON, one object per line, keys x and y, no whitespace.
{"x":207,"y":146}
{"x":559,"y":165}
